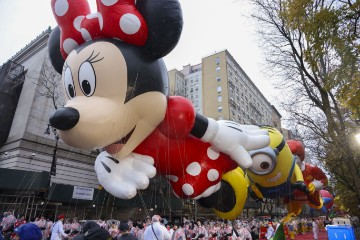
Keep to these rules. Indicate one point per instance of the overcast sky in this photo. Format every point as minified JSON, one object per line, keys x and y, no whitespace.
{"x":209,"y":26}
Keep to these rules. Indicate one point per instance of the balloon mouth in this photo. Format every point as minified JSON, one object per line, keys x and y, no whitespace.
{"x":117,"y":146}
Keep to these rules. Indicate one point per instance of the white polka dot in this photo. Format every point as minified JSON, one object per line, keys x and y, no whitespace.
{"x":212,"y":154}
{"x":77,"y":22}
{"x":69,"y":44}
{"x":109,"y":2}
{"x":193,"y":169}
{"x":213,"y":175}
{"x":85,"y":34}
{"x":172,"y":178}
{"x":129,"y":23}
{"x":61,"y":7}
{"x":188,"y":189}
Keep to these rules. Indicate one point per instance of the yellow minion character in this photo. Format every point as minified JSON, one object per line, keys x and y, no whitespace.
{"x":274,"y":172}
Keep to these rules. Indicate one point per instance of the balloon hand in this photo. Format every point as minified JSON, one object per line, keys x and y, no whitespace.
{"x":123,"y":177}
{"x":301,"y":186}
{"x":236,"y":140}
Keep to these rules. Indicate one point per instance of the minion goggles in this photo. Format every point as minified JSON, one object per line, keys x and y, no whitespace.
{"x":270,"y":152}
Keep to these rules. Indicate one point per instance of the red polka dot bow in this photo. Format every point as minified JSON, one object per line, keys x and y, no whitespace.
{"x":114,"y":19}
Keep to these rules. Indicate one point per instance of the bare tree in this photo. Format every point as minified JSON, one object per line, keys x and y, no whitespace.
{"x":50,"y":85}
{"x":313,"y":54}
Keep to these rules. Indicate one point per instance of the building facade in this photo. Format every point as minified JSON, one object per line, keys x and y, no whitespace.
{"x":219,"y":88}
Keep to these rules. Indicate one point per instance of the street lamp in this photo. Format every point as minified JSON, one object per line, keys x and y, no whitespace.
{"x":357,"y":136}
{"x":54,"y":159}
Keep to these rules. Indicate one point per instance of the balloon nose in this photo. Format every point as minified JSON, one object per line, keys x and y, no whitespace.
{"x":64,"y":118}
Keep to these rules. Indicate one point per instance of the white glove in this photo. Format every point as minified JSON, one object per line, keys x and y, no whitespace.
{"x":235,"y":139}
{"x":123,"y":177}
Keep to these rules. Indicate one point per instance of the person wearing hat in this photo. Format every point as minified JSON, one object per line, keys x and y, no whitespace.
{"x":27,"y":231}
{"x":156,"y":231}
{"x":125,"y":232}
{"x":93,"y":231}
{"x":57,"y":229}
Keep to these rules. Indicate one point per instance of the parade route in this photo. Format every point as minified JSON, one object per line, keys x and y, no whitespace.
{"x":309,"y":236}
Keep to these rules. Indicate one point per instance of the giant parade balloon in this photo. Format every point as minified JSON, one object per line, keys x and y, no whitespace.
{"x":116,"y":89}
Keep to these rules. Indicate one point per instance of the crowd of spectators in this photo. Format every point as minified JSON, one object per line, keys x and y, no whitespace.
{"x":156,"y":228}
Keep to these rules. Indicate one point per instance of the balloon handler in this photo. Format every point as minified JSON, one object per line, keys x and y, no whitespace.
{"x":116,"y":87}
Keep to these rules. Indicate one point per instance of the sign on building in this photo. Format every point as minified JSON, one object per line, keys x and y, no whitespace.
{"x":83,"y":193}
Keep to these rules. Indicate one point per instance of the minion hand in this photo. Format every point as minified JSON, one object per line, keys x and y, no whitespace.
{"x":123,"y":177}
{"x":235,"y":140}
{"x":301,"y":186}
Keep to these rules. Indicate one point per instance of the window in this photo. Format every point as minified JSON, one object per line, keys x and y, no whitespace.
{"x":218,"y":79}
{"x":217,"y":69}
{"x":219,"y":109}
{"x":218,"y":89}
{"x":219,"y":98}
{"x":217,"y":60}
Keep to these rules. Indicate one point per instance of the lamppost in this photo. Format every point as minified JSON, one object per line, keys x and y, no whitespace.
{"x":54,"y":157}
{"x":357,"y":136}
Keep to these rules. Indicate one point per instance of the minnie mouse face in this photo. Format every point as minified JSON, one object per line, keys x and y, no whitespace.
{"x":116,"y":89}
{"x":118,"y":94}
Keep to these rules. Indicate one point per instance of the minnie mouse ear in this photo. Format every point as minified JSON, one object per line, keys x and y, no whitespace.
{"x":165,"y":22}
{"x":56,"y":58}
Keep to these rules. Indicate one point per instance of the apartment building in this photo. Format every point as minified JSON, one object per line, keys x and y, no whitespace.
{"x":219,"y":88}
{"x":188,"y":83}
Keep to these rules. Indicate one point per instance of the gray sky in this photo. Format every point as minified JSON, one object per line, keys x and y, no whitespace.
{"x":209,"y":26}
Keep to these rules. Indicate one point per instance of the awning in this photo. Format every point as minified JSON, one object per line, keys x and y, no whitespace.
{"x":12,"y":179}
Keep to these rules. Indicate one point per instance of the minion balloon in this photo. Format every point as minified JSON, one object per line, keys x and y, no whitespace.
{"x":274,"y":173}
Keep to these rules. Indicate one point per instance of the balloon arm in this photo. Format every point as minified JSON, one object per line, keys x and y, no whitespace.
{"x":298,"y":174}
{"x":318,"y":174}
{"x":255,"y":190}
{"x":232,"y":138}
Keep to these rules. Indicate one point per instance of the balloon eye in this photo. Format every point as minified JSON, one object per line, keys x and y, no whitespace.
{"x":262,"y":164}
{"x":69,"y":84}
{"x":87,"y":79}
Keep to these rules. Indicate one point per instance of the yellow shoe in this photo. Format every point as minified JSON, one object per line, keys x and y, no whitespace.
{"x":234,"y":191}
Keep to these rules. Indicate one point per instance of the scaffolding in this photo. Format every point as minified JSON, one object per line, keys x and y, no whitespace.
{"x":12,"y":77}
